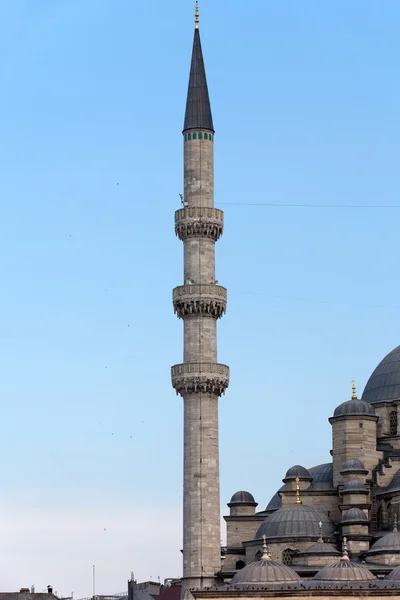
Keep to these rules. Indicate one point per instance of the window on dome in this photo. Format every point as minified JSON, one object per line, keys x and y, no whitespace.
{"x":393,"y":422}
{"x":258,"y":555}
{"x":239,"y":565}
{"x":287,"y":556}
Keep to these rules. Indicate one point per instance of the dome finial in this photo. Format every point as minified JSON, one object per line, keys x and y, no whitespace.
{"x":196,"y":15}
{"x":298,"y":499}
{"x":321,"y":539}
{"x":395,"y":522}
{"x":353,"y":390}
{"x":345,"y":550}
{"x":265,"y":555}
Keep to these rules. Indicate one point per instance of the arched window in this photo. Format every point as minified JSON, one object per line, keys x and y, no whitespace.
{"x":258,"y":555}
{"x":393,"y":422}
{"x":200,"y":136}
{"x":206,"y":136}
{"x":185,"y":137}
{"x":195,"y":136}
{"x":189,"y":136}
{"x":239,"y":565}
{"x":287,"y":556}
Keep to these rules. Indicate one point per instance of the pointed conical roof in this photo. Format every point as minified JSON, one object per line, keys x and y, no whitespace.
{"x":198,"y":109}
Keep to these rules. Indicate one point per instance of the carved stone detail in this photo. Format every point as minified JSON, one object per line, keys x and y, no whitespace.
{"x":208,"y":300}
{"x":210,"y":378}
{"x":199,"y":221}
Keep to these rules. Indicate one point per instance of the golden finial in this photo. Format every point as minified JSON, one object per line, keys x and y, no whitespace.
{"x":298,"y":500}
{"x":196,"y":15}
{"x":353,"y":390}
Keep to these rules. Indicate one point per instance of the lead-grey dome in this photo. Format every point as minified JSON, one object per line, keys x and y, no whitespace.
{"x":322,"y":547}
{"x":354,"y":407}
{"x":353,"y":466}
{"x":297,"y":471}
{"x":384,"y":383}
{"x":344,"y":570}
{"x":389,"y":543}
{"x":296,"y":520}
{"x":322,"y":477}
{"x":394,"y":485}
{"x":243,"y":497}
{"x":354,"y":486}
{"x":264,"y":572}
{"x":354,"y":515}
{"x":394,"y":575}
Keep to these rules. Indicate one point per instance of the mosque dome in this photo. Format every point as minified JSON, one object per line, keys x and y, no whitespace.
{"x":353,"y":466}
{"x":354,"y":515}
{"x":276,"y":501}
{"x":384,"y":383}
{"x":389,"y":543}
{"x":297,"y":471}
{"x":296,"y":520}
{"x":394,"y":485}
{"x":394,"y":575}
{"x":354,"y":486}
{"x":344,"y":570}
{"x":322,"y":477}
{"x":263,"y":572}
{"x":354,"y":407}
{"x":321,"y":548}
{"x":242,"y":497}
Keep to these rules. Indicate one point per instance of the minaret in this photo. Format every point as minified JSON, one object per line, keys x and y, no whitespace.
{"x":200,"y":302}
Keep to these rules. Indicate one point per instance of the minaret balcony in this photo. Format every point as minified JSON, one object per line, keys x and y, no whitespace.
{"x":211,"y":378}
{"x":208,"y":300}
{"x":199,"y":221}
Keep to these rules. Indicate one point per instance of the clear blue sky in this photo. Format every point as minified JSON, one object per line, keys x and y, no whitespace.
{"x":305,"y":97}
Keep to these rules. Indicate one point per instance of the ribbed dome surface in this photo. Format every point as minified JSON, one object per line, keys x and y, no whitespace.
{"x":394,"y":485}
{"x":298,"y":471}
{"x":354,"y":515}
{"x":388,"y":543}
{"x":354,"y":407}
{"x":355,"y":486}
{"x":322,"y":548}
{"x":344,"y":570}
{"x":275,"y":502}
{"x":322,"y":477}
{"x":242,"y":497}
{"x":394,"y":575}
{"x":296,"y":520}
{"x":353,"y":466}
{"x":264,"y":572}
{"x":384,"y":383}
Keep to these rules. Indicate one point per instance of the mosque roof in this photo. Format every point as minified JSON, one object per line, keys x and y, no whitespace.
{"x":344,"y":570}
{"x":355,"y":486}
{"x":394,"y":485}
{"x":354,"y":407}
{"x":297,"y":471}
{"x":296,"y":520}
{"x":264,"y":571}
{"x":394,"y":575}
{"x":384,"y":383}
{"x":354,"y":515}
{"x":322,"y":477}
{"x":387,"y":543}
{"x":353,"y":466}
{"x":322,"y":547}
{"x":198,"y":108}
{"x":243,"y":497}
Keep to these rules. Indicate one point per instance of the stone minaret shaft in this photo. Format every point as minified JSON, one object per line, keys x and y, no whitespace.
{"x":200,"y":380}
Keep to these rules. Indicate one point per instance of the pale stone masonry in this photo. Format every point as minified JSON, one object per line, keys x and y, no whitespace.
{"x":199,"y":302}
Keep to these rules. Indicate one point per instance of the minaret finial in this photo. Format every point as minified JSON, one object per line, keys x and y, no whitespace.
{"x":196,"y":15}
{"x":395,"y":522}
{"x":265,"y":555}
{"x":321,"y":539}
{"x":353,"y":390}
{"x":298,"y":499}
{"x":345,"y":555}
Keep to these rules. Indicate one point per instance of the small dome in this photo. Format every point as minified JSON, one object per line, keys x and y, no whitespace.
{"x":353,"y":466}
{"x":394,"y":485}
{"x":263,"y":572}
{"x":296,"y":520}
{"x":242,"y":498}
{"x":394,"y":575}
{"x":354,"y":515}
{"x":322,"y":547}
{"x":384,"y":383}
{"x":386,"y":544}
{"x":344,"y":570}
{"x":354,"y":407}
{"x":298,"y":471}
{"x":354,"y":486}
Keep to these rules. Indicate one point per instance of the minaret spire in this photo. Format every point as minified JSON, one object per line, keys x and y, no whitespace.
{"x":196,"y":15}
{"x":200,"y":302}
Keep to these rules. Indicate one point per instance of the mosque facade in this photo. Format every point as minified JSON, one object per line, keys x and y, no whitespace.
{"x":331,"y":529}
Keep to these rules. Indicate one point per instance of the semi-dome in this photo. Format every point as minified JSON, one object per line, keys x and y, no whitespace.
{"x":296,"y":520}
{"x":344,"y":570}
{"x":353,"y":466}
{"x":384,"y":383}
{"x":243,"y":497}
{"x":394,"y":575}
{"x":322,"y":477}
{"x":264,"y":572}
{"x":297,"y":471}
{"x":389,"y":543}
{"x":354,"y":515}
{"x":354,"y":407}
{"x":354,"y":486}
